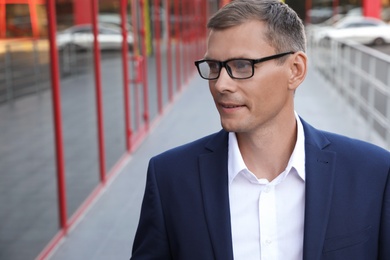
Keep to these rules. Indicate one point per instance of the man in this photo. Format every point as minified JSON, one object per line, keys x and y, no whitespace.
{"x":269,"y":185}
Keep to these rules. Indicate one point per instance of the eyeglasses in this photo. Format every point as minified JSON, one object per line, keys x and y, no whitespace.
{"x":236,"y":68}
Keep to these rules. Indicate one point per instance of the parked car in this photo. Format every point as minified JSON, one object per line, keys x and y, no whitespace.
{"x":364,"y":30}
{"x":319,"y":14}
{"x":80,"y":37}
{"x":316,"y":28}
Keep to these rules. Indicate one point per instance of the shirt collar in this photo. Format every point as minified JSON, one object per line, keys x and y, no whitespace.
{"x":236,"y":163}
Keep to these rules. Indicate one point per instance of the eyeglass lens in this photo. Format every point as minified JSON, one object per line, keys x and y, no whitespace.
{"x":238,"y":68}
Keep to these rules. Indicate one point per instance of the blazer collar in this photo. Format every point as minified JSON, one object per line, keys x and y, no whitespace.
{"x":214,"y":185}
{"x":320,"y":162}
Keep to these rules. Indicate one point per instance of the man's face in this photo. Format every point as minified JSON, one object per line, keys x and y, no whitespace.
{"x":248,"y":105}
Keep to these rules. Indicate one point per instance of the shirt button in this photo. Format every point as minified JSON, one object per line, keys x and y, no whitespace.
{"x":267,"y":189}
{"x":268,"y":242}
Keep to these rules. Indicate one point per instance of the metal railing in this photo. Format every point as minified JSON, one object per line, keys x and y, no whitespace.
{"x":361,"y":75}
{"x":23,"y":68}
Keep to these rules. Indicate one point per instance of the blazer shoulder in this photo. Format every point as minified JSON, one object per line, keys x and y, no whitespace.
{"x":347,"y":147}
{"x":182,"y":162}
{"x":355,"y":144}
{"x":202,"y":145}
{"x":358,"y":149}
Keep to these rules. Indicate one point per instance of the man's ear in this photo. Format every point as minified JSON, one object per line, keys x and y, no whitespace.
{"x":298,"y":69}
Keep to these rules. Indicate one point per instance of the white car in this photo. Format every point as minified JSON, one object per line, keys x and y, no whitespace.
{"x":364,"y":30}
{"x":80,"y":37}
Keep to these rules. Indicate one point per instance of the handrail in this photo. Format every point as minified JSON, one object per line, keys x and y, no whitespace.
{"x":360,"y":75}
{"x":23,"y":68}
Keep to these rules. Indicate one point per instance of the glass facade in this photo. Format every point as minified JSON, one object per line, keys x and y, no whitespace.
{"x":107,"y":100}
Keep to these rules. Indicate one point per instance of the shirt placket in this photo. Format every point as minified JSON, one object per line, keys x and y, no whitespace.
{"x":268,"y":224}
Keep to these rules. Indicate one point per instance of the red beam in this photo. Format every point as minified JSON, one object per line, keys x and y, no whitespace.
{"x":56,"y":95}
{"x":144,"y":67}
{"x":41,"y":2}
{"x":82,"y":12}
{"x":335,"y":7}
{"x":372,"y":8}
{"x":178,"y":19}
{"x":126,"y":81}
{"x":186,"y":37}
{"x":169,"y":50}
{"x":3,"y":27}
{"x":308,"y":6}
{"x":157,"y":38}
{"x":99,"y":94}
{"x":34,"y":18}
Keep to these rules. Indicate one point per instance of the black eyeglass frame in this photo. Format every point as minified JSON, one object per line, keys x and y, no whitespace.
{"x":223,"y":64}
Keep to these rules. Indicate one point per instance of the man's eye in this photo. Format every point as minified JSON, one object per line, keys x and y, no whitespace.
{"x":240,"y":64}
{"x":213,"y":66}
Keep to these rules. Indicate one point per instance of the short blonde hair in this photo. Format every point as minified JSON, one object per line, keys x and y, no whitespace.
{"x":285,"y":29}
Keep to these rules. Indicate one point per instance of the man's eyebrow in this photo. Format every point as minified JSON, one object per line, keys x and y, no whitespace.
{"x":207,"y":58}
{"x":231,"y":58}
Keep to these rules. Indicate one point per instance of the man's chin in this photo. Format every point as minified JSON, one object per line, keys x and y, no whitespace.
{"x":230,"y":127}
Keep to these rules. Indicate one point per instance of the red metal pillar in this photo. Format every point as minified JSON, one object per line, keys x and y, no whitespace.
{"x":3,"y":27}
{"x":144,"y":65}
{"x":186,"y":38}
{"x":196,"y":16}
{"x":134,"y":21}
{"x":59,"y":143}
{"x":56,"y":95}
{"x":34,"y":18}
{"x":178,"y":22}
{"x":190,"y":37}
{"x":126,"y":81}
{"x":157,"y":38}
{"x":372,"y":8}
{"x":308,"y":6}
{"x":335,"y":7}
{"x":136,"y":59}
{"x":169,"y":50}
{"x":82,"y":12}
{"x":99,"y":94}
{"x":193,"y":24}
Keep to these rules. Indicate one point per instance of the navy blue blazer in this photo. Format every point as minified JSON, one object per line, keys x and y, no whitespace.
{"x":185,"y":211}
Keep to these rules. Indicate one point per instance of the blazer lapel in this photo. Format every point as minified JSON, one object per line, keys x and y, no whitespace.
{"x":319,"y":189}
{"x":214,"y":184}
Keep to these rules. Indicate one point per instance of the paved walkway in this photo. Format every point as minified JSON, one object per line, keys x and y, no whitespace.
{"x":107,"y":229}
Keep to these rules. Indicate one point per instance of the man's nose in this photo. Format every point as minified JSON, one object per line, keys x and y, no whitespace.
{"x":224,"y":81}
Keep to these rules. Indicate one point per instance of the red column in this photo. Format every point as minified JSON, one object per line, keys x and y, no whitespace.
{"x":56,"y":96}
{"x":99,"y":92}
{"x":144,"y":65}
{"x":308,"y":6}
{"x":178,"y":42}
{"x":126,"y":81}
{"x":372,"y":8}
{"x":34,"y":18}
{"x":2,"y":19}
{"x":157,"y":38}
{"x":169,"y":50}
{"x":335,"y":7}
{"x":82,"y":11}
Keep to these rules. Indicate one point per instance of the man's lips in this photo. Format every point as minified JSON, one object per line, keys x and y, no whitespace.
{"x":230,"y":106}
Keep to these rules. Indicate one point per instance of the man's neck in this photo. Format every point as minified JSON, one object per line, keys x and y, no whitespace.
{"x":266,"y":153}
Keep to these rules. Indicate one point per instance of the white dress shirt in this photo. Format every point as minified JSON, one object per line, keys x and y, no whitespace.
{"x":267,"y":218}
